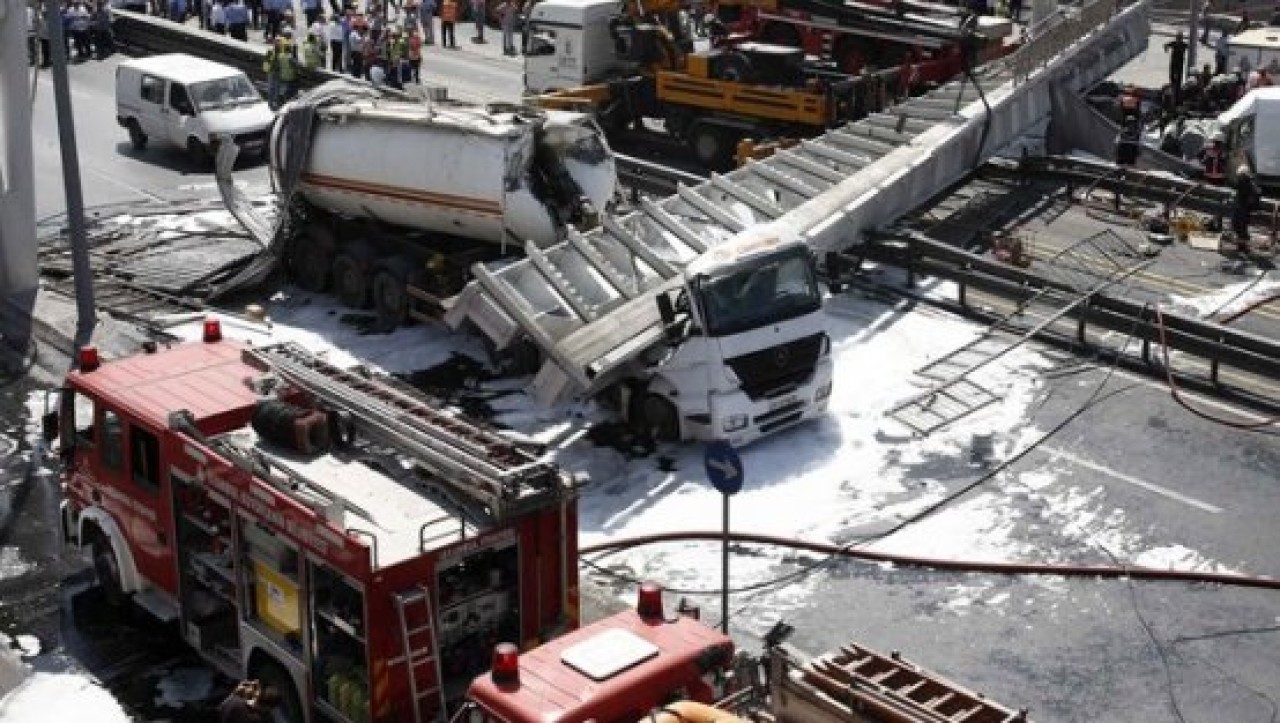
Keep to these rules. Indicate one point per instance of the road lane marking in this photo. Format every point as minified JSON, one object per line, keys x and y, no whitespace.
{"x":1149,"y":486}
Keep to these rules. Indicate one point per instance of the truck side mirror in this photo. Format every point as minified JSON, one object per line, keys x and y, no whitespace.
{"x":50,"y":424}
{"x":670,"y":324}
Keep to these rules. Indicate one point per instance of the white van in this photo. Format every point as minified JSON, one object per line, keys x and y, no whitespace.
{"x":186,"y":101}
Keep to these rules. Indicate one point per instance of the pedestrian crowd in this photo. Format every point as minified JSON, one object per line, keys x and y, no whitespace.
{"x":86,"y":31}
{"x":381,"y":42}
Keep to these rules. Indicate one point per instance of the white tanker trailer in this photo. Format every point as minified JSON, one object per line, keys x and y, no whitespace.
{"x":391,"y":200}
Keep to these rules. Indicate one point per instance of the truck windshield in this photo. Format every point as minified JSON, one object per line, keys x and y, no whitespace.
{"x":762,"y":291}
{"x":224,"y":93}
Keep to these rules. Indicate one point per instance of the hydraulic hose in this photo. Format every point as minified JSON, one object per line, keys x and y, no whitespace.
{"x":998,"y":568}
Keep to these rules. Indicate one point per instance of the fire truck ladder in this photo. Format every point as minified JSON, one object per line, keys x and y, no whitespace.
{"x":899,"y":691}
{"x":421,"y":652}
{"x":490,"y":469}
{"x":956,"y":395}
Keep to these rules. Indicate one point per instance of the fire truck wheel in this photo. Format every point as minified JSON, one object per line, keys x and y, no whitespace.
{"x":106,"y":568}
{"x":658,"y":417}
{"x":270,"y":674}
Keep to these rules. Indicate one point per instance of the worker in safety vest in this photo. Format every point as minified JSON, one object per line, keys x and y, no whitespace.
{"x":281,"y":68}
{"x":1213,"y":158}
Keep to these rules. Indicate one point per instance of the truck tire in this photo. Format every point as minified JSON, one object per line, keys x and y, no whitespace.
{"x":851,"y":55}
{"x":657,"y":416}
{"x":137,"y":138}
{"x":352,"y":279}
{"x":390,"y":293}
{"x":271,"y":674}
{"x":106,"y":569}
{"x":198,"y":153}
{"x":712,"y":146}
{"x":311,"y":258}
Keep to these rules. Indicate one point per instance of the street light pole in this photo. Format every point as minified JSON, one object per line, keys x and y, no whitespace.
{"x":85,"y":316}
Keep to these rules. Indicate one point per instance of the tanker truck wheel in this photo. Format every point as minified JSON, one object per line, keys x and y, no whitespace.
{"x":352,"y":278}
{"x":390,"y":291}
{"x":311,"y":257}
{"x":657,"y":416}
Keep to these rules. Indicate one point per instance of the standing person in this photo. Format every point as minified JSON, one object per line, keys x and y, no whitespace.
{"x":80,"y":30}
{"x":335,"y":34}
{"x":355,"y":50}
{"x":311,"y":10}
{"x":1127,"y":145}
{"x":448,"y":16}
{"x":1213,"y":159}
{"x":410,"y":18}
{"x":281,"y":68}
{"x":396,"y":50}
{"x":104,"y":39}
{"x":415,"y":56}
{"x":255,"y":12}
{"x":1177,"y":49}
{"x":427,"y":18}
{"x":274,"y":10}
{"x":237,"y":15}
{"x":1248,"y":196}
{"x":507,"y":12}
{"x":1221,"y":52}
{"x":477,"y":14}
{"x":312,"y":55}
{"x":218,"y":17}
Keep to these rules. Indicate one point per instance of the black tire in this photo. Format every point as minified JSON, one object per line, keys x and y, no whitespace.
{"x":106,"y":570}
{"x":311,"y":258}
{"x":851,"y":56}
{"x":780,"y":34}
{"x":137,"y":138}
{"x":657,"y":416}
{"x":198,"y":153}
{"x":270,"y":674}
{"x":390,"y":291}
{"x":713,"y":147}
{"x":735,"y":67}
{"x":352,"y":280}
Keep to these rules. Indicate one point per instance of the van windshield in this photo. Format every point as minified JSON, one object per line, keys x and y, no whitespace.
{"x":224,"y":93}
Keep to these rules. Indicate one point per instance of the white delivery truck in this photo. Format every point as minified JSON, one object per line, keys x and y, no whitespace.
{"x":1252,"y":128}
{"x":186,"y":101}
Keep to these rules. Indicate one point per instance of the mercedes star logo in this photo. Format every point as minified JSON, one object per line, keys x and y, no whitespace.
{"x":781,"y":356}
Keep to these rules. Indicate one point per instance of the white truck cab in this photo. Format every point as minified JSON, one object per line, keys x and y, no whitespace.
{"x":753,"y":355}
{"x":186,"y":101}
{"x":568,"y":43}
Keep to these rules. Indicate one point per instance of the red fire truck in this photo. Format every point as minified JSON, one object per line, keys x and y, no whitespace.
{"x":326,"y":532}
{"x":881,"y":34}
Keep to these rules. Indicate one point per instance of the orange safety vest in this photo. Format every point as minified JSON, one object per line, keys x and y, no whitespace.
{"x":449,"y":11}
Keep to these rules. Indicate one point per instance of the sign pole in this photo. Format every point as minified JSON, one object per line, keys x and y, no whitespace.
{"x":724,"y":569}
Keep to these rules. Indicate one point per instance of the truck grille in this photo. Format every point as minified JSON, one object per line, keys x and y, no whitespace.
{"x":778,"y":369}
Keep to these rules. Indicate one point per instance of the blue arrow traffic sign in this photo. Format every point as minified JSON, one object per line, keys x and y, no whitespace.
{"x":724,"y":468}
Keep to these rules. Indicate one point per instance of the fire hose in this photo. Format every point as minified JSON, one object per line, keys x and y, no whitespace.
{"x":934,"y":563}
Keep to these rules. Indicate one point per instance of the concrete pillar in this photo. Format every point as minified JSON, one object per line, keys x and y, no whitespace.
{"x":17,"y":175}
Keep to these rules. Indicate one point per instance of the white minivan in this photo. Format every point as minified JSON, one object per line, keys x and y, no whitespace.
{"x":187,"y":101}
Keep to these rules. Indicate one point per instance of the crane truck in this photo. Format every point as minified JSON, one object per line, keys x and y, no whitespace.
{"x":327,"y":533}
{"x":642,"y":665}
{"x":390,"y":200}
{"x":787,"y":68}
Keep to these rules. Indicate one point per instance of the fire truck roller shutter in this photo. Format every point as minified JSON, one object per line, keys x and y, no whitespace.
{"x":96,"y":524}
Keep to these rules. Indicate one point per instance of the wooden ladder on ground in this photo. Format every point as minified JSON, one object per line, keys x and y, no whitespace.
{"x":421,"y":654}
{"x":899,"y":691}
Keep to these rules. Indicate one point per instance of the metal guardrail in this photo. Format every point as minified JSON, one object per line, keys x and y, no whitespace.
{"x":1051,"y":40}
{"x":652,"y":178}
{"x":1214,"y":343}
